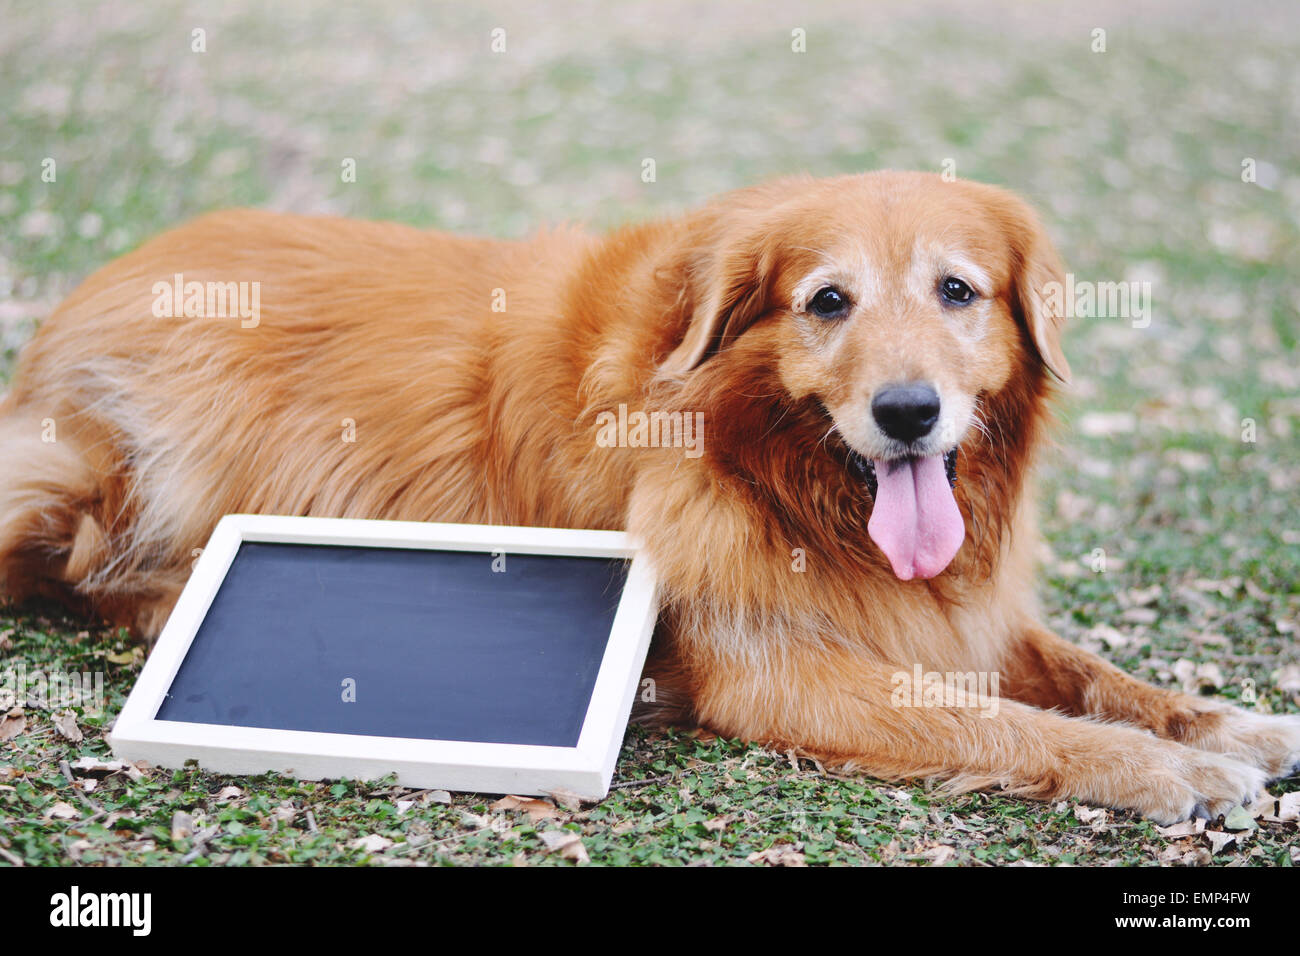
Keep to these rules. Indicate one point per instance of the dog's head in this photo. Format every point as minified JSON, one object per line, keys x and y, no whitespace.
{"x":903,"y":305}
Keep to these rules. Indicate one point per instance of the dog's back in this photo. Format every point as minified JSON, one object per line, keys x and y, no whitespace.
{"x":282,"y":364}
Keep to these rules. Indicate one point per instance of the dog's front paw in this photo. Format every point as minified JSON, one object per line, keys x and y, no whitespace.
{"x":1271,"y":743}
{"x":1196,"y":783}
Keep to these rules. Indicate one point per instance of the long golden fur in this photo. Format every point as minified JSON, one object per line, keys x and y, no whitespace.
{"x":475,"y":375}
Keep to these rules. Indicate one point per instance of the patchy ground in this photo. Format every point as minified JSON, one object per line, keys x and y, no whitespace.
{"x":1169,"y":508}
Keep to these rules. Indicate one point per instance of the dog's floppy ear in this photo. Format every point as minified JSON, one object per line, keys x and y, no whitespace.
{"x":1039,"y":284}
{"x":728,"y":282}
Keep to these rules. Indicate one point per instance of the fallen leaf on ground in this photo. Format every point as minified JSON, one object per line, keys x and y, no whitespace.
{"x":567,"y":799}
{"x":229,"y":793}
{"x":1092,"y":816}
{"x":66,"y":724}
{"x":1185,"y":829}
{"x":62,"y":811}
{"x":182,"y":825}
{"x":372,"y":844}
{"x":1108,"y":634}
{"x":1171,"y":854}
{"x":940,"y":855}
{"x":783,"y":855}
{"x":1195,"y":678}
{"x":1288,"y":678}
{"x":1141,"y":597}
{"x":12,"y":724}
{"x":566,"y":843}
{"x":536,"y":809}
{"x":97,"y":766}
{"x":1283,"y":809}
{"x":1219,"y":840}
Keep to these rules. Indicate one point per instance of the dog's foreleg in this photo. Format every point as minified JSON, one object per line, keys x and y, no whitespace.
{"x":849,"y":712}
{"x":1047,"y":671}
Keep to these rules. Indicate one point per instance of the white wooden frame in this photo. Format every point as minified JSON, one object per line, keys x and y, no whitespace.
{"x":585,"y":770}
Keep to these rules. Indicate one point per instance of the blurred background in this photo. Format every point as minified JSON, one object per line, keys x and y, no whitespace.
{"x":1163,"y":149}
{"x":1130,"y":141}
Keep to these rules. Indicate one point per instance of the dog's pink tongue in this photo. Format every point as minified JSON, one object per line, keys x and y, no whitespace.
{"x":915,"y":519}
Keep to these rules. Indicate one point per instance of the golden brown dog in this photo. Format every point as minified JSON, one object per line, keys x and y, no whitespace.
{"x":869,"y":357}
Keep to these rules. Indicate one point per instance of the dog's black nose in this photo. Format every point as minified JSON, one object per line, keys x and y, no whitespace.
{"x":906,"y":412}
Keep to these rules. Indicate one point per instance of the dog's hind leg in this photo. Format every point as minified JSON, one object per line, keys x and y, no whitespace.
{"x":47,"y":495}
{"x":61,"y":512}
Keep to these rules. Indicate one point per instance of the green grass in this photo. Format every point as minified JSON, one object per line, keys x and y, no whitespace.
{"x":1133,"y":156}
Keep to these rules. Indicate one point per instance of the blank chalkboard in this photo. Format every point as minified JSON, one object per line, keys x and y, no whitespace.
{"x":400,"y":642}
{"x":485,"y":658}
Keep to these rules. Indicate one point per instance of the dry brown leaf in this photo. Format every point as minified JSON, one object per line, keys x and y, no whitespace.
{"x":1171,"y":854}
{"x":566,"y":843}
{"x":940,"y":855}
{"x":1094,"y":817}
{"x":1219,"y":840}
{"x":1111,"y":637}
{"x":1185,"y":829}
{"x":1288,"y":678}
{"x":1283,"y":809}
{"x":1142,"y":597}
{"x":97,"y":766}
{"x":374,"y":843}
{"x":65,"y":722}
{"x":1196,"y":678}
{"x":536,"y":809}
{"x":781,"y":855}
{"x":182,"y":825}
{"x":229,"y":793}
{"x":568,"y":799}
{"x":12,"y":724}
{"x":1140,"y":615}
{"x":62,"y":811}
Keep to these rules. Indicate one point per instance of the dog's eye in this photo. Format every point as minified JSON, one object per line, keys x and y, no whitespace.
{"x":828,"y":303}
{"x":956,"y":291}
